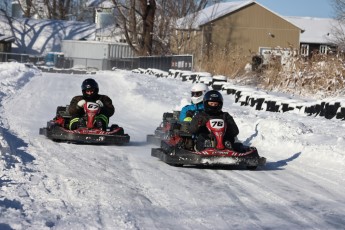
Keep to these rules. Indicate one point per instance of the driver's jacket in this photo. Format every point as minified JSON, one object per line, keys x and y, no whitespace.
{"x":192,"y":108}
{"x":107,"y":109}
{"x":198,"y":124}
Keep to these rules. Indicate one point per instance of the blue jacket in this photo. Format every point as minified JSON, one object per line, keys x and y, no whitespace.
{"x":196,"y":108}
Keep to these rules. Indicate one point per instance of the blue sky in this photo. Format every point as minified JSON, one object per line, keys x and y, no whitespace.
{"x":307,"y":8}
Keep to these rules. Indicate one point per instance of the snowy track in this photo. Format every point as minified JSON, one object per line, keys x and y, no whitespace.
{"x":66,"y":186}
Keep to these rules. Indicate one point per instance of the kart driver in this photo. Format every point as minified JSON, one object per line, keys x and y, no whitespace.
{"x":197,"y":94}
{"x":213,"y":103}
{"x":90,"y":90}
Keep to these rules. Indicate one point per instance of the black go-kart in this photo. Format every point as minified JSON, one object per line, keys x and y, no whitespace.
{"x":179,"y":149}
{"x":166,"y":129}
{"x":58,"y":130}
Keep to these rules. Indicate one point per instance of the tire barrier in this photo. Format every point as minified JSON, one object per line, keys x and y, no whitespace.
{"x":329,"y":108}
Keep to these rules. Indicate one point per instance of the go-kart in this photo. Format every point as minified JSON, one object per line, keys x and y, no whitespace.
{"x":180,"y":149}
{"x":58,"y":130}
{"x":165,"y":129}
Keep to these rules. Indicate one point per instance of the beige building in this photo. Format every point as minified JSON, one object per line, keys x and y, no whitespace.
{"x":244,"y":26}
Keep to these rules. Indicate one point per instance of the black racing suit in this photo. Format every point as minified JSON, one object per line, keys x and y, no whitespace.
{"x":198,"y":127}
{"x":75,"y":111}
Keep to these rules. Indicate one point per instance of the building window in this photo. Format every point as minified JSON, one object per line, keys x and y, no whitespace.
{"x":304,"y":50}
{"x":323,"y":49}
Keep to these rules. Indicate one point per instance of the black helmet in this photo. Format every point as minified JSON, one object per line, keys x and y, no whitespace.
{"x":213,"y":96}
{"x":89,"y":84}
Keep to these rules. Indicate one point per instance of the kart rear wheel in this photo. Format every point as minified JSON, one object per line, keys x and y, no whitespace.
{"x":252,"y":167}
{"x":175,"y":165}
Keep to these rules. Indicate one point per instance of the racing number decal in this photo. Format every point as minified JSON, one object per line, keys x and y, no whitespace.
{"x":92,"y":106}
{"x":217,"y":123}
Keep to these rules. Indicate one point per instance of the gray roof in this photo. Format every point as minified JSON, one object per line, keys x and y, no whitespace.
{"x":214,"y":12}
{"x":315,"y":30}
{"x":208,"y":14}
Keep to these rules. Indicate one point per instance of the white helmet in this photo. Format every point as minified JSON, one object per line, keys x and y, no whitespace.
{"x":198,"y":91}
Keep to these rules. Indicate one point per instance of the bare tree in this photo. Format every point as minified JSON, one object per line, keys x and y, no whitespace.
{"x":168,"y":13}
{"x":28,"y":9}
{"x":57,"y":9}
{"x":79,"y":11}
{"x":148,"y":25}
{"x":54,"y":9}
{"x":339,"y":9}
{"x":136,"y":18}
{"x":338,"y":29}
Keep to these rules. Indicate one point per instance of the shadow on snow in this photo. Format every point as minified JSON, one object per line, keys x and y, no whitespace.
{"x":278,"y":165}
{"x":15,"y":153}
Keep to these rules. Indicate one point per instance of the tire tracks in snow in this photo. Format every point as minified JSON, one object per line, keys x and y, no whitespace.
{"x":80,"y":193}
{"x":301,"y":211}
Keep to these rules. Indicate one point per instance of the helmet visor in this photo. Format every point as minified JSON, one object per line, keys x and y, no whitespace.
{"x":196,"y":94}
{"x":213,"y":103}
{"x":90,"y":91}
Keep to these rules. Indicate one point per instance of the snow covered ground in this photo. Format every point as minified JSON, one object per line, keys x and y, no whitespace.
{"x":48,"y":185}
